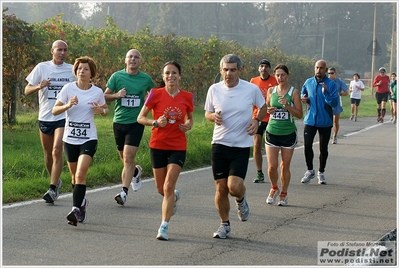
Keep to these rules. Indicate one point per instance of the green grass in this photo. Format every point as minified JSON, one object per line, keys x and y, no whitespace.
{"x":25,"y":177}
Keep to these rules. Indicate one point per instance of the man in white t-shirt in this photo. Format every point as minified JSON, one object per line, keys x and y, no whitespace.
{"x":229,"y":104}
{"x":47,"y":79}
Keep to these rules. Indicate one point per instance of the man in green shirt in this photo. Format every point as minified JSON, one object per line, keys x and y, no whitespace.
{"x":128,"y":87}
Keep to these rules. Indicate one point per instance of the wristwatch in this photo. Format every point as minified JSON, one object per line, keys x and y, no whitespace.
{"x":155,"y":123}
{"x":259,"y":121}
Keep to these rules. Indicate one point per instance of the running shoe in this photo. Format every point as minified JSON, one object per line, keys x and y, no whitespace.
{"x":177,"y":197}
{"x":309,"y":174}
{"x":59,"y":184}
{"x":163,"y":232}
{"x":283,"y":202}
{"x":50,"y":196}
{"x":83,"y":214}
{"x":271,"y":199}
{"x":321,"y":178}
{"x":136,"y":181}
{"x":73,"y":216}
{"x":223,"y":231}
{"x":351,"y":118}
{"x":394,"y":120}
{"x":334,"y":140}
{"x":243,"y":210}
{"x":121,"y":198}
{"x":259,"y":178}
{"x":355,"y":118}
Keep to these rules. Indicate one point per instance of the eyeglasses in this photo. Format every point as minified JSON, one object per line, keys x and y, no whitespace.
{"x":331,"y":73}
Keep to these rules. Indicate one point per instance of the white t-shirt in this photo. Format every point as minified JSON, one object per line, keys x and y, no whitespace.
{"x":356,"y":93}
{"x":236,"y":106}
{"x":59,"y":75}
{"x":79,"y":125}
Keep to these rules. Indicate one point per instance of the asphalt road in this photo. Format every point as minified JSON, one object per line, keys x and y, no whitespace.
{"x":357,"y":204}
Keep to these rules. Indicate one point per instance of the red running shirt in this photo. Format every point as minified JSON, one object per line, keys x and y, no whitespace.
{"x":175,"y":109}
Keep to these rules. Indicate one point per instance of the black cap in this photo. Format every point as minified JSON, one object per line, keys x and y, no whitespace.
{"x":265,"y":61}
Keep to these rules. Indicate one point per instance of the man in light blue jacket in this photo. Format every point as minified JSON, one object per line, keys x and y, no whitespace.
{"x":320,"y":95}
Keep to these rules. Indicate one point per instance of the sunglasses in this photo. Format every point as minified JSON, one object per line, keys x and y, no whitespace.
{"x":331,"y":73}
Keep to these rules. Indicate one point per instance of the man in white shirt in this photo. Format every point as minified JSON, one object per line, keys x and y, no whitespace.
{"x":229,"y":104}
{"x":47,"y":79}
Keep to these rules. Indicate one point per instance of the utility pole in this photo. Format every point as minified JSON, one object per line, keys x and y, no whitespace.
{"x":338,"y":43}
{"x":374,"y":50}
{"x":392,"y":35}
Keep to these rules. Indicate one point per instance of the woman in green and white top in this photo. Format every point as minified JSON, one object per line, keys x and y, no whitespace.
{"x":284,"y":103}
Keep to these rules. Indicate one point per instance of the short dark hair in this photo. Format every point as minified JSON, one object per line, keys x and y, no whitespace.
{"x":265,"y":61}
{"x":358,"y":76}
{"x":85,"y":59}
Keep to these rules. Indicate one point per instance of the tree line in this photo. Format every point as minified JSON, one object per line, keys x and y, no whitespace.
{"x":25,"y":45}
{"x":336,"y":31}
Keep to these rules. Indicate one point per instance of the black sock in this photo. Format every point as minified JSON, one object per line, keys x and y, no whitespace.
{"x":136,"y":171}
{"x":125,"y":190}
{"x":227,"y":222}
{"x":260,"y":172}
{"x":79,"y":193}
{"x":240,"y":201}
{"x":52,"y":186}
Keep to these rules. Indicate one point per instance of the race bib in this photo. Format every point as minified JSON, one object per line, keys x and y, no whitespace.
{"x":78,"y":130}
{"x":52,"y":91}
{"x":280,"y":114}
{"x":131,"y":101}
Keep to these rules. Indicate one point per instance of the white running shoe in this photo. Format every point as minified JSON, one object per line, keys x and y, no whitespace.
{"x":243,"y":210}
{"x":136,"y":181}
{"x":120,"y":198}
{"x":283,"y":202}
{"x":223,"y":231}
{"x":163,"y":232}
{"x":309,"y":174}
{"x":177,"y":197}
{"x":320,"y":176}
{"x":59,"y":184}
{"x":271,"y":199}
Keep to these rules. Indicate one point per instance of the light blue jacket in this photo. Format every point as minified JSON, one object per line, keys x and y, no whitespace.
{"x":319,"y":109}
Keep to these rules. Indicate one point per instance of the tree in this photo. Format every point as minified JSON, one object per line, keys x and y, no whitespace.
{"x":17,"y":37}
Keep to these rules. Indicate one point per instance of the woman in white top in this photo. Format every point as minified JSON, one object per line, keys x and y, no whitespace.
{"x":355,"y":88}
{"x":81,"y":100}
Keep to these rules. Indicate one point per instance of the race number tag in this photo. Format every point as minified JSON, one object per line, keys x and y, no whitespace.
{"x":131,"y":101}
{"x":52,"y":91}
{"x":280,"y":114}
{"x":78,"y":130}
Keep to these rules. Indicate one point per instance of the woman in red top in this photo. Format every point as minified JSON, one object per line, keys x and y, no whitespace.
{"x":172,"y":110}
